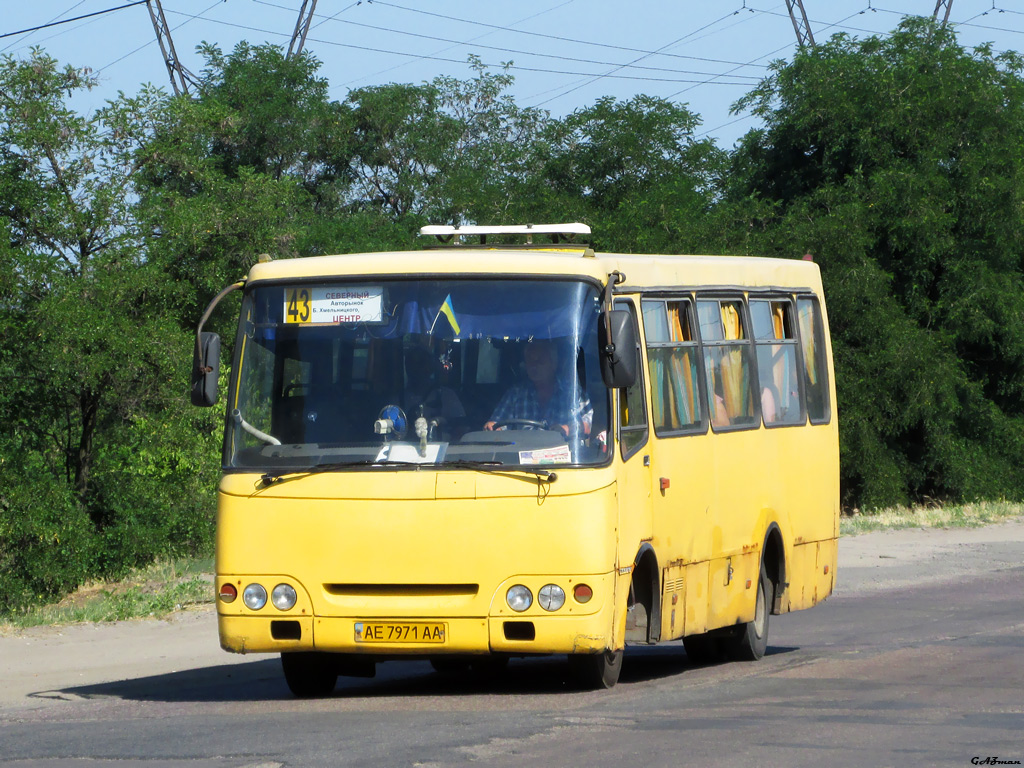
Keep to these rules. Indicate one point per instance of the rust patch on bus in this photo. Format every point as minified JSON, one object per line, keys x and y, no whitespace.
{"x":588,"y":644}
{"x":236,"y":645}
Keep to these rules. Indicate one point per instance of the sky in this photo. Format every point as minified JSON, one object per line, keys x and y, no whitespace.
{"x":565,"y":54}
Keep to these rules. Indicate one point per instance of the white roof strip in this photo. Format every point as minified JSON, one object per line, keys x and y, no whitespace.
{"x":446,"y":230}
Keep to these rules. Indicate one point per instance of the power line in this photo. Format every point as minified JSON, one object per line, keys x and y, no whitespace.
{"x":76,"y":18}
{"x":458,"y":61}
{"x":623,"y":66}
{"x":551,"y":37}
{"x":69,"y":10}
{"x":468,"y":42}
{"x":531,"y":53}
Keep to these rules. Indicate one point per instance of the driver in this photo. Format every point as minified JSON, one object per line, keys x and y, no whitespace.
{"x":544,"y":397}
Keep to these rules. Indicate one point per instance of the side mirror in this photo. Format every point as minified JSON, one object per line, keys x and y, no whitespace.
{"x":618,"y":350}
{"x":205,"y":369}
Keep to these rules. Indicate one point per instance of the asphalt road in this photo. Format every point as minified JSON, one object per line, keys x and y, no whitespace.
{"x":918,"y":659}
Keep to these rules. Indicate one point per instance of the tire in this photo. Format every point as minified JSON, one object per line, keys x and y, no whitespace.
{"x":309,"y":674}
{"x":751,"y":642}
{"x":450,"y":665}
{"x":596,"y":670}
{"x":703,"y":649}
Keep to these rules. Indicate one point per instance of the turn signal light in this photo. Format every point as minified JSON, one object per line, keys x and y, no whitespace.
{"x":582,"y":593}
{"x":228,"y":593}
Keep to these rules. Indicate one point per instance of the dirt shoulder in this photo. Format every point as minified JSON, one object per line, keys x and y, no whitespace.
{"x":39,"y":665}
{"x":892,"y":559}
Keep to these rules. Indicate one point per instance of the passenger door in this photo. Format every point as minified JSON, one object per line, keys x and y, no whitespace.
{"x":634,"y":477}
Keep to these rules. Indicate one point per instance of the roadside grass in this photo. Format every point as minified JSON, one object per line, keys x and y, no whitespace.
{"x":156,"y":591}
{"x":972,"y":515}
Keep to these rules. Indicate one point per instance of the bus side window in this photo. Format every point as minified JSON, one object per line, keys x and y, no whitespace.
{"x":632,"y":409}
{"x":672,"y":360}
{"x":778,"y":377}
{"x":727,"y":364}
{"x":812,"y":343}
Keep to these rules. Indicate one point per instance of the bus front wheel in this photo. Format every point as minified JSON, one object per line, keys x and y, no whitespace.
{"x":751,"y":640}
{"x":309,"y":674}
{"x":596,"y":670}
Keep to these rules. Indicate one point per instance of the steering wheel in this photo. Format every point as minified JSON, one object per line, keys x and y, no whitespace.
{"x":521,"y":424}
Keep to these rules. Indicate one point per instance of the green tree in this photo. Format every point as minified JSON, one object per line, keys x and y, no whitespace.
{"x":88,"y":337}
{"x":447,"y":151}
{"x":898,"y":162}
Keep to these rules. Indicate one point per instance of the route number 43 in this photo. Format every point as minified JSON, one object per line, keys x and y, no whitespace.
{"x":297,"y":307}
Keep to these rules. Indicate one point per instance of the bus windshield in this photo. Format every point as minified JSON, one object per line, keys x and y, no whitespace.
{"x":405,"y":373}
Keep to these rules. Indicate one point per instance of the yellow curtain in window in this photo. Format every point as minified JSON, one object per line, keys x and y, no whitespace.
{"x":731,"y":321}
{"x":807,"y":340}
{"x":778,"y":317}
{"x":678,"y":325}
{"x":682,"y":375}
{"x":734,"y":381}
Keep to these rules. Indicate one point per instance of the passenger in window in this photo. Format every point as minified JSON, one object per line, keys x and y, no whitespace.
{"x":546,"y":400}
{"x":716,"y":396}
{"x":768,"y":408}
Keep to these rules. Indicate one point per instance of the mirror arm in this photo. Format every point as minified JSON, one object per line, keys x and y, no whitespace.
{"x":614,"y":278}
{"x":206,"y":316}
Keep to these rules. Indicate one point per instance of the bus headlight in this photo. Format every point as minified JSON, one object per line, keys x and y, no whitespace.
{"x":551,"y":597}
{"x":519,"y":598}
{"x":254,"y":597}
{"x":283,"y":597}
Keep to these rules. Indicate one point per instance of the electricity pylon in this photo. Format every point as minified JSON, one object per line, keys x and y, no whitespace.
{"x":181,"y":78}
{"x":804,"y":37}
{"x":301,"y":28}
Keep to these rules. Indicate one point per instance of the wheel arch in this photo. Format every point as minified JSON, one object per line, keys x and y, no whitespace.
{"x":646,"y":586}
{"x":773,"y":559}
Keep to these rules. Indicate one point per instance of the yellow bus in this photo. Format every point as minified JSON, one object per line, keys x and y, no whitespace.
{"x":489,"y":449}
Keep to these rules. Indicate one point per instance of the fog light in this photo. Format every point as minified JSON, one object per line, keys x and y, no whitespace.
{"x":582,"y":593}
{"x":227,"y":593}
{"x":551,"y":597}
{"x":254,"y":596}
{"x":519,"y":598}
{"x":283,"y":597}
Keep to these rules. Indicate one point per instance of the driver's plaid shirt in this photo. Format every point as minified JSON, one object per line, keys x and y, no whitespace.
{"x":520,"y":402}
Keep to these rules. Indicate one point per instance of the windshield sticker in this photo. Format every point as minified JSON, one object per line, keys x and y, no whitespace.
{"x":333,"y":304}
{"x":559,"y":455}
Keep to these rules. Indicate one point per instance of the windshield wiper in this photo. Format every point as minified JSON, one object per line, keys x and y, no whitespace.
{"x":331,"y":466}
{"x":494,"y":467}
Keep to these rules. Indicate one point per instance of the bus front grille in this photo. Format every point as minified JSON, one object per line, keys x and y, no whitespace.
{"x":402,"y":590}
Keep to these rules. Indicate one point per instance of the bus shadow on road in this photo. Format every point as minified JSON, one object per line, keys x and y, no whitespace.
{"x":262,"y":680}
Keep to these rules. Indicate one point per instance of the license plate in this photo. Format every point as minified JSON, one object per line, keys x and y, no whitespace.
{"x":400,"y":632}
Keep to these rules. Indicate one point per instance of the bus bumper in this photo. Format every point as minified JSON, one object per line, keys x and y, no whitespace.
{"x":528,"y":635}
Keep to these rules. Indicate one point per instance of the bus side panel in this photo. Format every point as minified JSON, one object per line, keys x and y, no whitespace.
{"x":733,"y":587}
{"x":696,"y":580}
{"x":812,"y":573}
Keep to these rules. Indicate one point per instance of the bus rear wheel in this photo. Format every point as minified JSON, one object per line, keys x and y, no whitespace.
{"x":596,"y":670}
{"x":751,"y":640}
{"x":309,"y":674}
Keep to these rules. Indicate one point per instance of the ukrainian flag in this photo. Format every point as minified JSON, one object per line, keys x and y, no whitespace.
{"x":449,"y":312}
